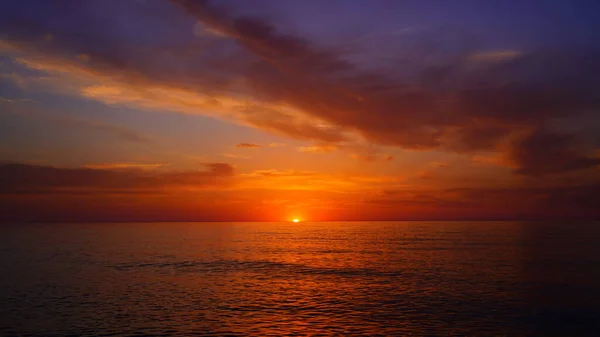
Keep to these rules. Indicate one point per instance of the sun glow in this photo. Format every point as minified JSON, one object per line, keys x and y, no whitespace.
{"x":296,"y":220}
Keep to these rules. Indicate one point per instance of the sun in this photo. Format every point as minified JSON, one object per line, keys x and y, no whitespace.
{"x":296,"y":220}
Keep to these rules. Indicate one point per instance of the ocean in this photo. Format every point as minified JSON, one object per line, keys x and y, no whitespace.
{"x":301,"y":279}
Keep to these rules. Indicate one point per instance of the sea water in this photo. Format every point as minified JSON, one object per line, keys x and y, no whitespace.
{"x":301,"y":279}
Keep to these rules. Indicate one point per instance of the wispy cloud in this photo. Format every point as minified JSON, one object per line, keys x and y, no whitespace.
{"x":318,"y":148}
{"x":272,"y":179}
{"x":15,"y":100}
{"x":494,"y":56}
{"x":116,"y":86}
{"x":34,"y":179}
{"x":371,"y":157}
{"x":248,"y":146}
{"x":236,"y":156}
{"x":116,"y":166}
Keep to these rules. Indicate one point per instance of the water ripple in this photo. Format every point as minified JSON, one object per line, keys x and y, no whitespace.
{"x":420,"y":279}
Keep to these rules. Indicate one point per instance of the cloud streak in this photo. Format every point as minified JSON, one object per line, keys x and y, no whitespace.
{"x":248,"y":146}
{"x":36,"y":179}
{"x":512,"y":203}
{"x":543,"y":153}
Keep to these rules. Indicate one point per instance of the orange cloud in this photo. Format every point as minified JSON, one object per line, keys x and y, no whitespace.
{"x":236,"y":156}
{"x":313,"y":181}
{"x":248,"y":146}
{"x":371,"y":157}
{"x":494,"y":160}
{"x":108,"y":166}
{"x":114,"y":86}
{"x":318,"y":148}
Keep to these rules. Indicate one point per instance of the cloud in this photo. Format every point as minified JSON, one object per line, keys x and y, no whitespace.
{"x":515,"y":202}
{"x":108,"y":166}
{"x":248,"y":146}
{"x":201,"y":30}
{"x":490,"y":159}
{"x":438,"y":164}
{"x":356,"y":151}
{"x":37,"y":192}
{"x":133,"y":79}
{"x":427,"y":175}
{"x":543,"y":153}
{"x":155,"y":178}
{"x":231,"y":155}
{"x":371,"y":157}
{"x":273,"y":179}
{"x":222,"y":169}
{"x":37,"y":179}
{"x":279,"y":173}
{"x":494,"y":56}
{"x":450,"y":108}
{"x":318,"y":148}
{"x":15,"y":100}
{"x":258,"y":75}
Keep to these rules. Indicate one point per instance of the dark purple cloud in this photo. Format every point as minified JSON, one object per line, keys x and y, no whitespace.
{"x":541,"y":153}
{"x":515,"y":202}
{"x":36,"y":179}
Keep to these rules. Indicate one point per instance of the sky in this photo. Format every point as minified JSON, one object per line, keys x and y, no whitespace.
{"x":266,"y":110}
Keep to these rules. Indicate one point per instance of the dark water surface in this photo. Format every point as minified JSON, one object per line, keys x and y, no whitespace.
{"x":321,"y":279}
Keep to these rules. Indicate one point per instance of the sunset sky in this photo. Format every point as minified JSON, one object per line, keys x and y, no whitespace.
{"x":265,"y":110}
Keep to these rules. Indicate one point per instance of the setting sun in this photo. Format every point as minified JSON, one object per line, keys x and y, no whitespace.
{"x":296,"y":220}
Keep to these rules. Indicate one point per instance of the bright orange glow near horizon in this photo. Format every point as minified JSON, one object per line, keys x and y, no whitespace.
{"x":296,"y":220}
